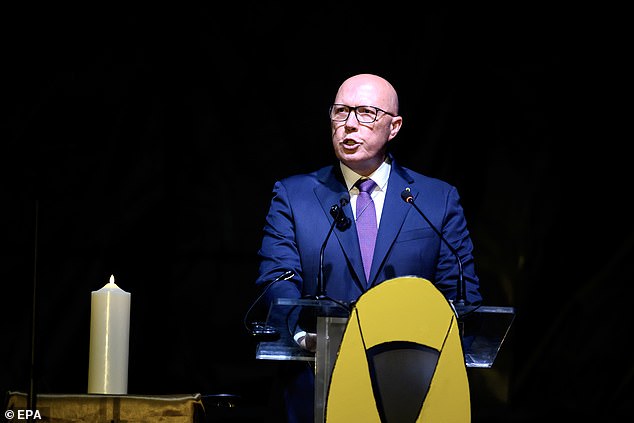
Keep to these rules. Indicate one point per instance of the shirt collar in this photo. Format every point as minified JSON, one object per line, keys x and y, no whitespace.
{"x":379,"y":176}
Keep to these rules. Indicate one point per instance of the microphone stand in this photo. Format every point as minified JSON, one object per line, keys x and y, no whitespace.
{"x":460,"y":287}
{"x":261,"y":329}
{"x":321,"y":291}
{"x":341,"y":221}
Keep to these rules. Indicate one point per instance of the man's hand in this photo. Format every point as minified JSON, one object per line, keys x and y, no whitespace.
{"x":309,"y":342}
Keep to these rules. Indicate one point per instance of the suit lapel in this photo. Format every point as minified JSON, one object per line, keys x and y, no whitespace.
{"x":392,"y":217}
{"x":329,"y":193}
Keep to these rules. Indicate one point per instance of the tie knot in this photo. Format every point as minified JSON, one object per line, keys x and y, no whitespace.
{"x":366,"y":185}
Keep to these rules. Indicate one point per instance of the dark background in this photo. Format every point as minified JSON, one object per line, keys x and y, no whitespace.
{"x":152,"y":137}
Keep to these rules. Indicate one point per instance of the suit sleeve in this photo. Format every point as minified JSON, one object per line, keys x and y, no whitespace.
{"x":278,"y":252}
{"x":455,"y":230}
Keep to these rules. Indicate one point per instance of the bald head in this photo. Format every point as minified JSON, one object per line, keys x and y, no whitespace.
{"x":366,"y":86}
{"x":362,"y":145}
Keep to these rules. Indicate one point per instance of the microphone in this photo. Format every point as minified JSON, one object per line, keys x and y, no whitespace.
{"x":336,"y":211}
{"x":342,"y":222}
{"x":407,"y":196}
{"x":261,"y":329}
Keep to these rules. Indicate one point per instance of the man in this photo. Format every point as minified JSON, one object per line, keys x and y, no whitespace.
{"x":364,"y":119}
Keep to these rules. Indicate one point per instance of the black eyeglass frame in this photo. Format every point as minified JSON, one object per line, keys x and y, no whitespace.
{"x":350,"y":109}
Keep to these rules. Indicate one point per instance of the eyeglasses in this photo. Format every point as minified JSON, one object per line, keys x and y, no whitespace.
{"x":364,"y":114}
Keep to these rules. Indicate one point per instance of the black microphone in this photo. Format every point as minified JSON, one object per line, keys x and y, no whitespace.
{"x":261,"y":329}
{"x":342,"y":222}
{"x":407,"y":196}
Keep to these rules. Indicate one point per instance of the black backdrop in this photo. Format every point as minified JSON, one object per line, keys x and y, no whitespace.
{"x":152,"y":138}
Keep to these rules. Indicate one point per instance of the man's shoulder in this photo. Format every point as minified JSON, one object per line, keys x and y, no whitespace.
{"x":304,"y":178}
{"x":414,"y":176}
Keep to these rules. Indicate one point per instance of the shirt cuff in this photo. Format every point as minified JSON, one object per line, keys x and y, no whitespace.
{"x":299,"y":336}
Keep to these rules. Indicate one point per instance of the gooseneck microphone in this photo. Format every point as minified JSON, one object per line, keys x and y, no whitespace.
{"x":261,"y":329}
{"x":342,"y":222}
{"x":407,"y":196}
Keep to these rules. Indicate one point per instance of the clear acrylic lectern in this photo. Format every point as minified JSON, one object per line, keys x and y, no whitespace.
{"x":483,"y":331}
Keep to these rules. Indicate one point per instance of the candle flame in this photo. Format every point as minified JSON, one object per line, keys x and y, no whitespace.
{"x":111,"y":278}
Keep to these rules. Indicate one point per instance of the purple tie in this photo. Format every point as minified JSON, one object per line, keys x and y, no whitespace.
{"x":366,"y":223}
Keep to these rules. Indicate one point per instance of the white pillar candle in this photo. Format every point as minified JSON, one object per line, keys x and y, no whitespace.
{"x":109,"y":340}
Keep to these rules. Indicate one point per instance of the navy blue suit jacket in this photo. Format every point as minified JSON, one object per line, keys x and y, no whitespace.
{"x":299,"y":219}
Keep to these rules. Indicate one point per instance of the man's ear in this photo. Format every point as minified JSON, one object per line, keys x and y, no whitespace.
{"x":395,"y":126}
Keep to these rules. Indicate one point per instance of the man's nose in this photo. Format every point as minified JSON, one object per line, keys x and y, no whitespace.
{"x":352,"y":119}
